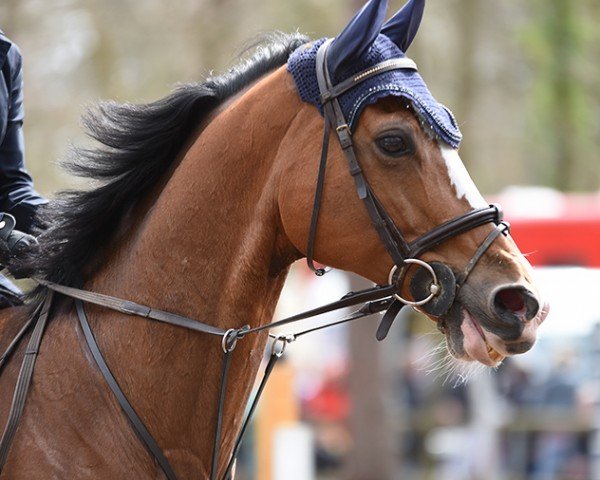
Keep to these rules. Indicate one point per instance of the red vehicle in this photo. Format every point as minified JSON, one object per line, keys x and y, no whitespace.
{"x":553,"y":228}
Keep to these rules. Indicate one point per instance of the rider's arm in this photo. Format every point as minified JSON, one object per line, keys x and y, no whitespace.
{"x":17,"y":195}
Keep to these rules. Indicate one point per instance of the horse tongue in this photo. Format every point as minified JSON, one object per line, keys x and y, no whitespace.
{"x":474,"y":341}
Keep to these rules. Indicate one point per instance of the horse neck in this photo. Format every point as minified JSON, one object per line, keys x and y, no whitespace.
{"x":209,"y":247}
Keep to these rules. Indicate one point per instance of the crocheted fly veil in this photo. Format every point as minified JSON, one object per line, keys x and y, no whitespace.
{"x":365,"y":42}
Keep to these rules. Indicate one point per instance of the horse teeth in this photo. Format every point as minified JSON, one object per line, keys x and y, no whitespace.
{"x":494,"y":355}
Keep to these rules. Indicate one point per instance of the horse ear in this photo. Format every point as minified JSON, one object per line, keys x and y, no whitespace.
{"x":358,"y":35}
{"x":403,"y":26}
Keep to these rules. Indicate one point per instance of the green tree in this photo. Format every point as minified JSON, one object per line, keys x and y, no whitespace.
{"x":561,"y":115}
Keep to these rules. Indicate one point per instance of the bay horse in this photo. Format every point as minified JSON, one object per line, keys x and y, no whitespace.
{"x":201,"y":202}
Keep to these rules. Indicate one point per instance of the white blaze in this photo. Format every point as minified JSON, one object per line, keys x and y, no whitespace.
{"x":460,"y":178}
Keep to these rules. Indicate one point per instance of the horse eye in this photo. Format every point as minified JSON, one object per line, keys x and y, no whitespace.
{"x":393,"y":145}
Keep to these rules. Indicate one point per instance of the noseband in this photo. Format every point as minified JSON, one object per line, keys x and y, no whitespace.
{"x":437,"y":290}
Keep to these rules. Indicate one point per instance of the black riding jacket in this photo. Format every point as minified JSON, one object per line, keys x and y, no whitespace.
{"x":17,"y":195}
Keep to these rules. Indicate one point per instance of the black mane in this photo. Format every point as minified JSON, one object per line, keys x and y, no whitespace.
{"x":137,"y":145}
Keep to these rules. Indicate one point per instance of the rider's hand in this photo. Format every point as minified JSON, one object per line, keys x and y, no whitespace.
{"x":13,"y":242}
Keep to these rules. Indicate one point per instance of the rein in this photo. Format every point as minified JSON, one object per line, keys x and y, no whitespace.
{"x":374,"y":300}
{"x":435,"y":285}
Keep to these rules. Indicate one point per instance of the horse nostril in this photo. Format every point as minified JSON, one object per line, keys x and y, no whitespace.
{"x":516,"y":301}
{"x":510,"y":299}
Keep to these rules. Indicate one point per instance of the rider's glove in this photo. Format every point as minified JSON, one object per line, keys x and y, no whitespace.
{"x":13,"y":242}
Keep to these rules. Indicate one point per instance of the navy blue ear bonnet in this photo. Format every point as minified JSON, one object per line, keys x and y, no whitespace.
{"x":400,"y":83}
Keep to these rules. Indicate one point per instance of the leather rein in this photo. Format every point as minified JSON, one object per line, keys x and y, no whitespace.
{"x":436,"y":286}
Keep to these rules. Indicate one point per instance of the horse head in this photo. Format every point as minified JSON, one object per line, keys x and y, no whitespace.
{"x":401,"y":146}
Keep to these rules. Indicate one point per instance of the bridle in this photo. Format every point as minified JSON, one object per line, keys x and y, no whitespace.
{"x":434,"y":285}
{"x":436,"y":296}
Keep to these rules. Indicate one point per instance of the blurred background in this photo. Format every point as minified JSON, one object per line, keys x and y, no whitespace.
{"x":523,"y":78}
